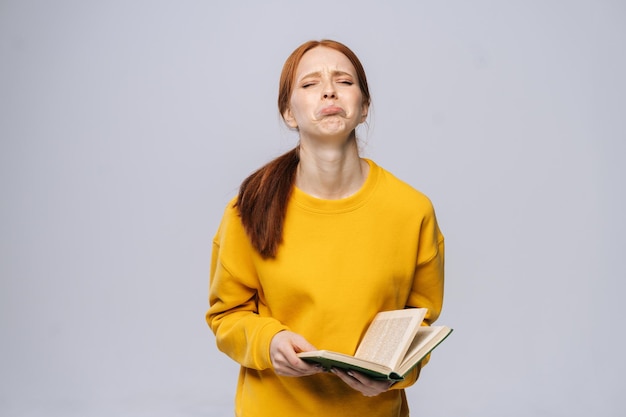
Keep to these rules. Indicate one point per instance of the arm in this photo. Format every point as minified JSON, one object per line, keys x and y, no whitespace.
{"x":233,"y":316}
{"x":240,"y":331}
{"x":428,"y":283}
{"x":428,"y":279}
{"x":252,"y":340}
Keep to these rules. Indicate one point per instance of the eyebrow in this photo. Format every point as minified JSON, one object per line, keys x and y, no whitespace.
{"x":319,"y":74}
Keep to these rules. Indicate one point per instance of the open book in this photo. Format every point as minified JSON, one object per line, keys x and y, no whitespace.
{"x":393,"y":344}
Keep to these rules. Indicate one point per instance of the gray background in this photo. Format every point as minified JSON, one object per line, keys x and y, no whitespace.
{"x":126,"y":126}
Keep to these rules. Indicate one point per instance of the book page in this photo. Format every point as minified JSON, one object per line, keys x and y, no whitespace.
{"x":426,"y":340}
{"x":381,"y":349}
{"x":389,"y":336}
{"x":421,"y":339}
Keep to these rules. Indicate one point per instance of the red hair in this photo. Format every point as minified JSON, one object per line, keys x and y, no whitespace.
{"x":264,"y":195}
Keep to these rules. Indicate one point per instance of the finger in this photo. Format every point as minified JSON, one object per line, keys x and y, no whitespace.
{"x":299,"y":367}
{"x":345,"y":377}
{"x":355,"y":377}
{"x":302,"y":345}
{"x":359,"y":382}
{"x":369,"y":382}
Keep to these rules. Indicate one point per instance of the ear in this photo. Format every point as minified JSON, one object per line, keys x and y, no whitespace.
{"x":289,"y":119}
{"x":364,"y":112}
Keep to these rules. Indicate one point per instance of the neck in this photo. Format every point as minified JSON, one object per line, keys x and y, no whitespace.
{"x":331,"y":172}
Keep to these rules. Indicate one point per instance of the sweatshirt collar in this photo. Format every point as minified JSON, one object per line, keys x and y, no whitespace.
{"x":356,"y":200}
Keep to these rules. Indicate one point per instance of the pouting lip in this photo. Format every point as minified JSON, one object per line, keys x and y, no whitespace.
{"x":331,"y":110}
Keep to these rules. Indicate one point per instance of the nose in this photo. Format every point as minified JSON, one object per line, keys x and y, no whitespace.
{"x":328,"y":92}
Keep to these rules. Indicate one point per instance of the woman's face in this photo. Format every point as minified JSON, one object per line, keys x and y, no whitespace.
{"x":326,"y":100}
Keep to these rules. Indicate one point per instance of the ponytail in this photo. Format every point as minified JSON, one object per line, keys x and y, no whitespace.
{"x":262,"y":202}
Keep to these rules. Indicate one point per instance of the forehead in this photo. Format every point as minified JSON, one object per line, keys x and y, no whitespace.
{"x":320,"y":59}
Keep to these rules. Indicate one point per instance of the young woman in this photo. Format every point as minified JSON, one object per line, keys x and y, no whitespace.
{"x":316,"y":243}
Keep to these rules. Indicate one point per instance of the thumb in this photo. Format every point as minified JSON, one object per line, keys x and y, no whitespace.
{"x":300,"y":344}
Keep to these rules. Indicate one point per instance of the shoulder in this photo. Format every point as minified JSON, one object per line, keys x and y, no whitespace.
{"x":400,"y":191}
{"x":230,"y":225}
{"x":230,"y":211}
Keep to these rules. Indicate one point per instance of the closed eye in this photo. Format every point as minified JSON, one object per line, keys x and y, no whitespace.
{"x":307,"y":85}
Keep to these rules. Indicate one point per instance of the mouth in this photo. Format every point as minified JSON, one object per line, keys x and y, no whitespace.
{"x":331,"y":111}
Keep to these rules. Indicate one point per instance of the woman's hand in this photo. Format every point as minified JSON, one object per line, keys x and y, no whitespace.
{"x":283,"y":349}
{"x":365,"y":385}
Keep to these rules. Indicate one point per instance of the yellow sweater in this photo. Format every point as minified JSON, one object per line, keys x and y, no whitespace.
{"x":341,"y":262}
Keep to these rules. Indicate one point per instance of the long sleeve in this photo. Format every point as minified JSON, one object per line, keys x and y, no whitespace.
{"x":233,"y":314}
{"x":428,"y":281}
